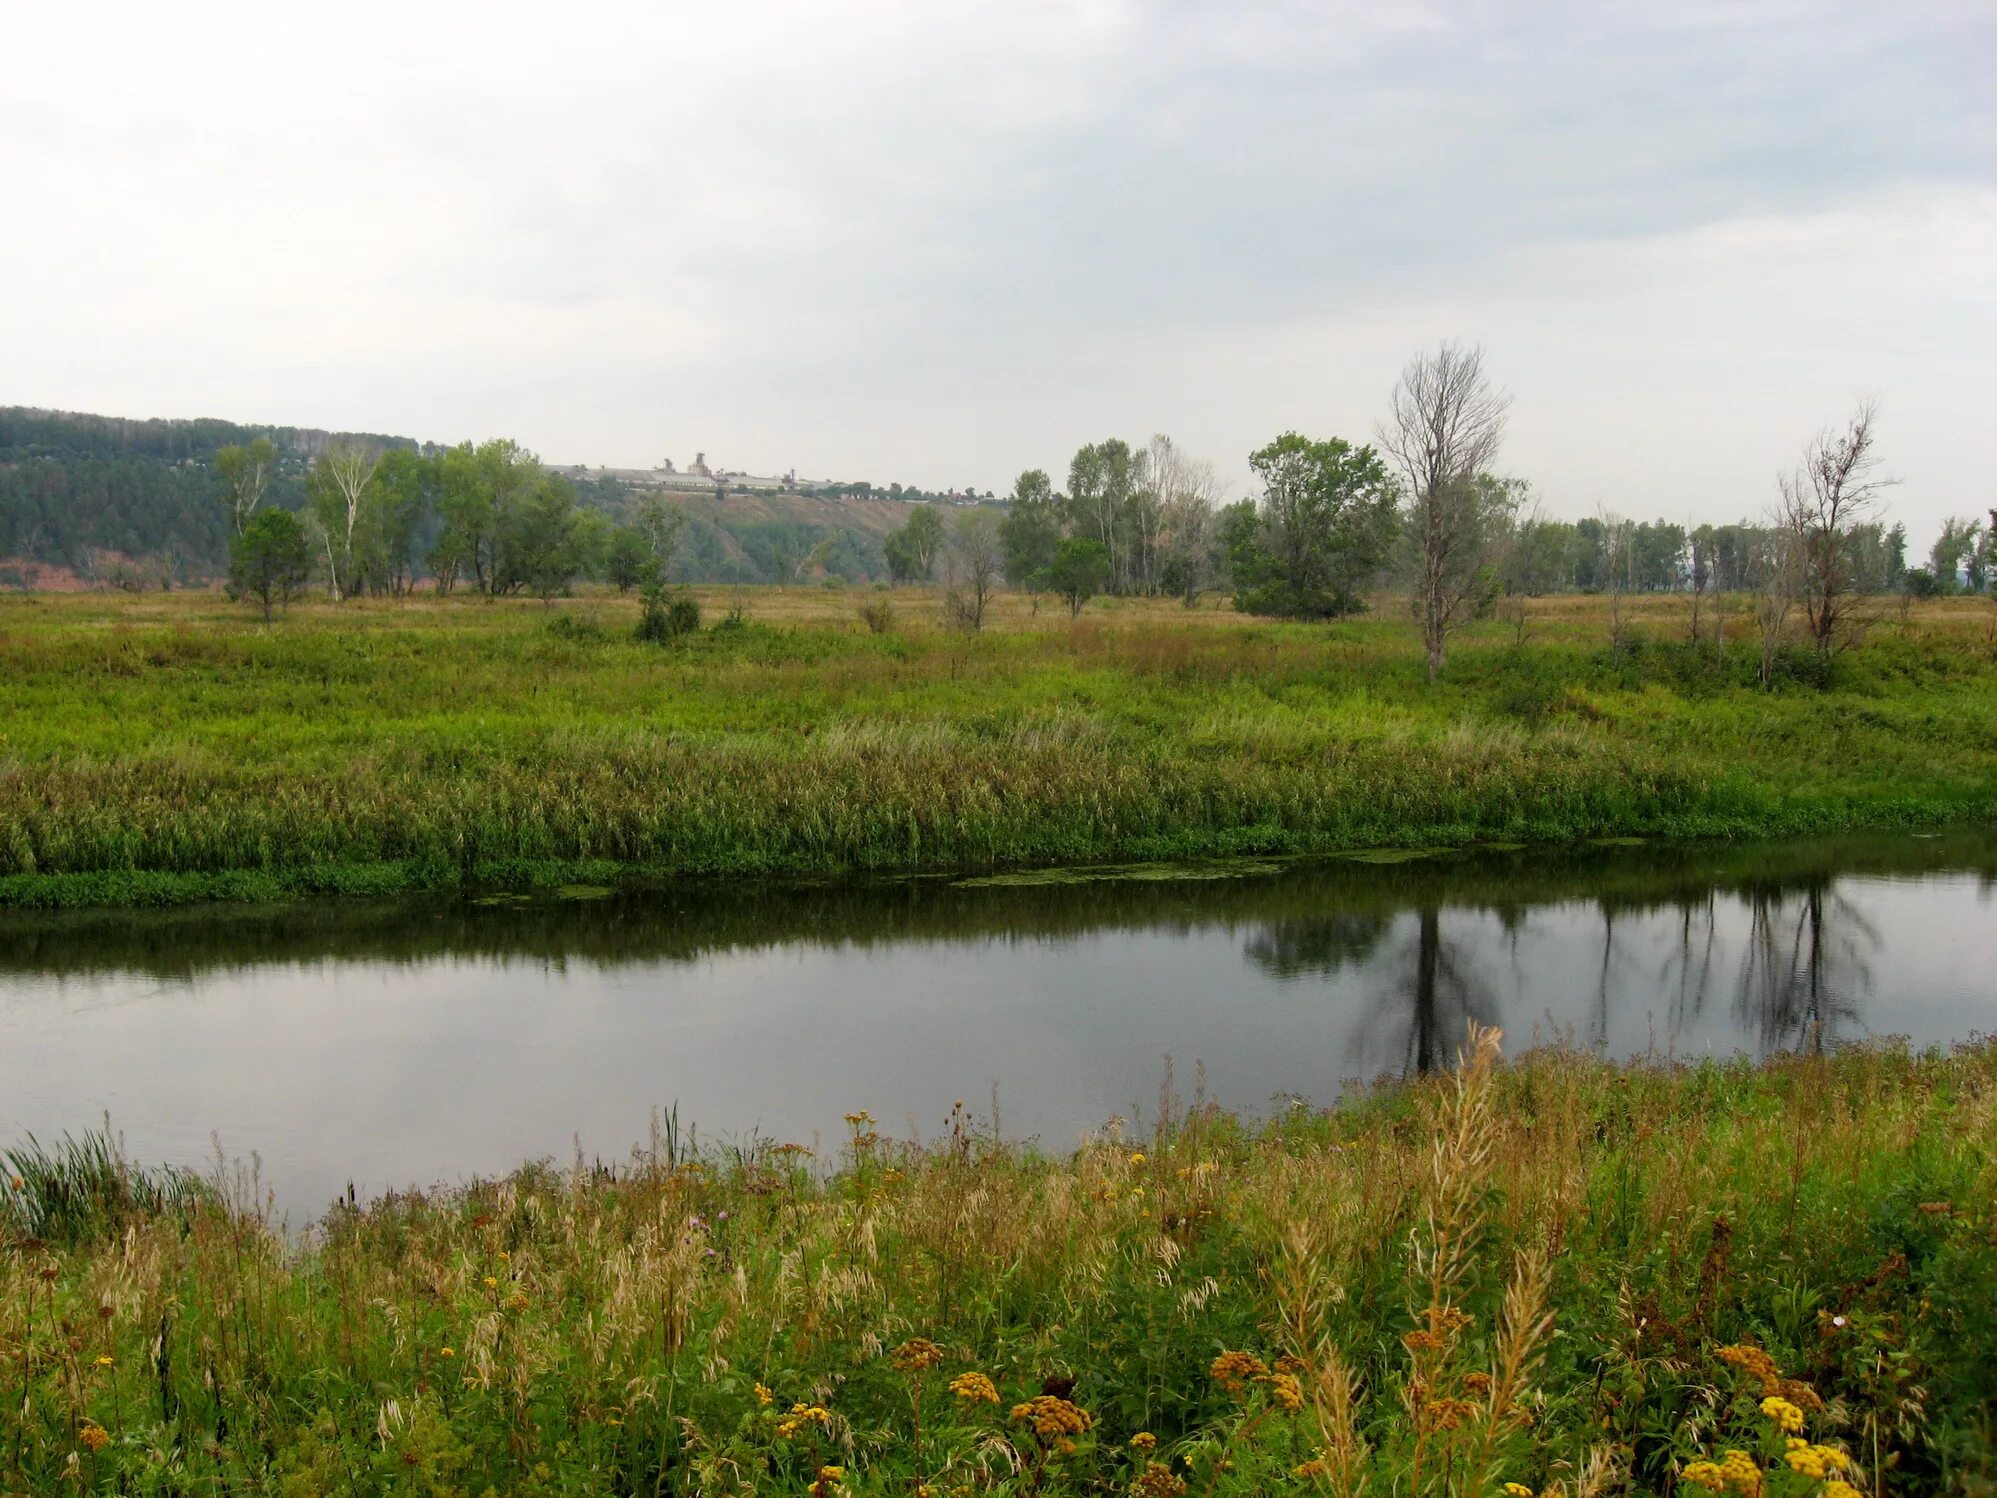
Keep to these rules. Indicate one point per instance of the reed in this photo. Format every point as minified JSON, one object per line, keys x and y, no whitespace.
{"x":1543,"y":1275}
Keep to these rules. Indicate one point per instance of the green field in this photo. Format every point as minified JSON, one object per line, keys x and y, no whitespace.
{"x":1559,"y":1274}
{"x":169,"y":747}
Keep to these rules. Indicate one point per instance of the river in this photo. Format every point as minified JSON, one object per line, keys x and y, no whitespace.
{"x":388,"y":1045}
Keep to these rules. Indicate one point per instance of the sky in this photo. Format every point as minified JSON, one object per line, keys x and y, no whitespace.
{"x":941,"y":241}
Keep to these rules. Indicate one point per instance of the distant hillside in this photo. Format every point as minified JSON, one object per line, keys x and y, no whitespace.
{"x":89,"y":499}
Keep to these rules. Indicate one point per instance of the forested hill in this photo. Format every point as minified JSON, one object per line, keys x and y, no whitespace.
{"x":83,"y":495}
{"x":102,"y":499}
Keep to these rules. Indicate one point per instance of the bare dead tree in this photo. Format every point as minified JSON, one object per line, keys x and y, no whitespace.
{"x":1443,"y":428}
{"x":972,"y":571}
{"x":1777,"y":578}
{"x":1618,"y":547}
{"x":1834,"y":490}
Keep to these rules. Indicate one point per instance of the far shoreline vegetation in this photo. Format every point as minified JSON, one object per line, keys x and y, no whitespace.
{"x":168,"y":748}
{"x":418,"y":687}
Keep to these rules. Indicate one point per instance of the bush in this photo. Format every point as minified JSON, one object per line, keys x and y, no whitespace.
{"x":587,"y":628}
{"x":668,"y":617}
{"x":878,"y":615}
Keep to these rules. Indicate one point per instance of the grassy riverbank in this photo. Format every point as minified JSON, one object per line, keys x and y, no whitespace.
{"x":162,"y":749}
{"x":1558,"y":1273}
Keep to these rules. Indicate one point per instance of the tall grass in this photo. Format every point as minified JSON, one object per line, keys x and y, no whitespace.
{"x":154,"y":751}
{"x":1555,"y":1273}
{"x":76,"y":1190}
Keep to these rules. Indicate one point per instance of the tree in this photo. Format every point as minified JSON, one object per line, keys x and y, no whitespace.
{"x":1031,"y":529}
{"x":338,"y":490}
{"x":1830,"y":494}
{"x":1326,"y":524}
{"x":1179,"y":522}
{"x":1102,"y":479}
{"x":625,"y":559}
{"x":404,"y":493}
{"x":1776,"y":570}
{"x":1945,"y":558}
{"x":271,"y":560}
{"x":245,"y":474}
{"x":1443,"y":429}
{"x":911,"y":551}
{"x":977,"y":561}
{"x":541,"y":542}
{"x":1080,"y":564}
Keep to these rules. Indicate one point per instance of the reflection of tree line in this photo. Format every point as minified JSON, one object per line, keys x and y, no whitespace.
{"x":1797,"y":983}
{"x":1315,"y":917}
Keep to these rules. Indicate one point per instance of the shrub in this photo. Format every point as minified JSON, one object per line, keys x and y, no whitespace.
{"x":668,"y":616}
{"x":878,"y":615}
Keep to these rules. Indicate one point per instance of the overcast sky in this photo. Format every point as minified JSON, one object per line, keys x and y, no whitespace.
{"x":941,"y":242}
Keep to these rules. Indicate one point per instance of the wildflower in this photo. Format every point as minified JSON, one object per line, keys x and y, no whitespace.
{"x":1159,"y":1481}
{"x":1518,"y":1490}
{"x":1052,"y":1416}
{"x":1837,"y":1487}
{"x":491,"y":1283}
{"x":93,"y":1435}
{"x":18,"y":1184}
{"x":1782,"y":1412}
{"x":1143,"y":1441}
{"x":1286,"y":1391}
{"x":1137,"y":1157}
{"x":1233,"y":1371}
{"x":447,"y":1352}
{"x":917,"y":1356}
{"x":517,"y":1301}
{"x":763,"y":1395}
{"x":1705,"y":1475}
{"x":1317,"y":1466}
{"x":860,"y":1119}
{"x":1818,"y":1462}
{"x":802,"y":1415}
{"x":974,"y":1388}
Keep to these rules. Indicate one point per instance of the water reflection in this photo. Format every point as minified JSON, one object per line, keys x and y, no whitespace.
{"x":411,"y":1042}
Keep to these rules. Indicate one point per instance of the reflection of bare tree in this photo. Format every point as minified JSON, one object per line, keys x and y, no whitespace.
{"x":1436,"y":1001}
{"x":1805,"y":967}
{"x":1445,"y":998}
{"x":1692,"y":959}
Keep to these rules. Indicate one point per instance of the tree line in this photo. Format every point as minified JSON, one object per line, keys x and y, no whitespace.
{"x":1423,"y":506}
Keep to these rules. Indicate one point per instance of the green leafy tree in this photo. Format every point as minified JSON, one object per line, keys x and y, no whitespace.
{"x":1326,"y":523}
{"x":1031,"y":529}
{"x":1078,"y":571}
{"x":626,"y":559}
{"x":912,"y":550}
{"x":405,"y":484}
{"x":1103,"y":482}
{"x":271,"y":560}
{"x":542,"y":540}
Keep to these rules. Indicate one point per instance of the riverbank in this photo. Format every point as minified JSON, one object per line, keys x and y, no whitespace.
{"x":160,"y":750}
{"x":1557,"y":1272}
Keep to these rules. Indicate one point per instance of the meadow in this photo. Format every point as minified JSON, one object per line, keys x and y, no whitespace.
{"x":166,"y":748}
{"x":1544,"y":1277}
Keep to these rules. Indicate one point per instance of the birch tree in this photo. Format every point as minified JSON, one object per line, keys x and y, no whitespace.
{"x":245,"y":475}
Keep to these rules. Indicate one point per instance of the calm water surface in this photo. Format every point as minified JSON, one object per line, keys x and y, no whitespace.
{"x":407,"y":1044}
